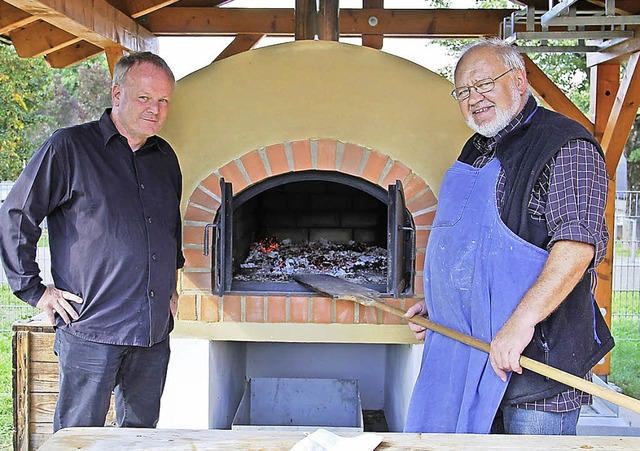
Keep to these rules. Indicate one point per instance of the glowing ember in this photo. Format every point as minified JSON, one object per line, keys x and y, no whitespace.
{"x":273,"y":261}
{"x":265,"y":245}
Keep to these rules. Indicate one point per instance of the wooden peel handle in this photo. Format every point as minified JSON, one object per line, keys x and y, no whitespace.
{"x":525,"y":362}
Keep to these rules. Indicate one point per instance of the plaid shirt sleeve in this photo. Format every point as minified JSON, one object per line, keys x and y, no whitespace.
{"x":577,"y":197}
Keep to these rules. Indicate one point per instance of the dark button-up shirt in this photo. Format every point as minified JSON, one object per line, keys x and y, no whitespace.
{"x":114,"y":231}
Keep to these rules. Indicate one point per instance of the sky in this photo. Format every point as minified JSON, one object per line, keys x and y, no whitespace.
{"x":188,"y":54}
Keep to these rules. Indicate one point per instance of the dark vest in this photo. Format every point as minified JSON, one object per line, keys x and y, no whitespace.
{"x":575,"y":336}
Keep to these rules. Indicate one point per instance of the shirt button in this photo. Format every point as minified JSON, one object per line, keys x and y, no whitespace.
{"x":142,"y":186}
{"x":151,"y":294}
{"x":153,"y":257}
{"x":149,"y":220}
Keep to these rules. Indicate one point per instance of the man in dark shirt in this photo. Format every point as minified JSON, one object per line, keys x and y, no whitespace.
{"x":518,"y":232}
{"x":110,"y":190}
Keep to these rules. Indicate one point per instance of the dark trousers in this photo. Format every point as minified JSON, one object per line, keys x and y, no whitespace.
{"x":90,"y":372}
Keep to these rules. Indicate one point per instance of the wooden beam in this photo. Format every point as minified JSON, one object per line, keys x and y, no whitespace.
{"x":305,"y":20}
{"x":328,"y":16}
{"x":138,"y":8}
{"x":96,"y":22}
{"x":616,"y":53}
{"x":552,"y":95}
{"x":622,"y":116}
{"x":113,"y":54}
{"x":431,"y":23}
{"x":605,"y":82}
{"x":39,"y":38}
{"x":375,"y":41}
{"x":241,"y":43}
{"x":72,"y":54}
{"x":12,"y":18}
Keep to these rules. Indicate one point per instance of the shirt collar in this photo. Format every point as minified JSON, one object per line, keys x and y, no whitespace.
{"x":109,"y":131}
{"x":487,"y":145}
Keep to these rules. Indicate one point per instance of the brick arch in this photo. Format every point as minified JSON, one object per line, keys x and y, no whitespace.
{"x":324,"y":154}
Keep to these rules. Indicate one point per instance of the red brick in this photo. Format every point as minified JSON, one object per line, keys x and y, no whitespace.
{"x":187,"y":307}
{"x":193,"y":235}
{"x":197,"y":214}
{"x":327,"y":154}
{"x":420,"y":261}
{"x":301,"y":151}
{"x":413,"y":185}
{"x":277,"y":309}
{"x":232,"y":174}
{"x":374,"y":166}
{"x":254,"y":166}
{"x":423,"y":201}
{"x":368,"y":315}
{"x":398,"y":171}
{"x":232,"y":308}
{"x":322,"y":310}
{"x":422,"y":237}
{"x":345,"y":312}
{"x":212,"y":183}
{"x":390,"y":318}
{"x":209,"y":308}
{"x":277,"y":159}
{"x":201,"y":198}
{"x":418,"y":284}
{"x":351,"y":159}
{"x":298,"y":309}
{"x":254,"y":309}
{"x":194,"y":258}
{"x":196,"y":281}
{"x":425,"y":219}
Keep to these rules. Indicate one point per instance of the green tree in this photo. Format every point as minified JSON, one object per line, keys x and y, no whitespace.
{"x":80,"y":94}
{"x":24,"y":85}
{"x":36,"y":100}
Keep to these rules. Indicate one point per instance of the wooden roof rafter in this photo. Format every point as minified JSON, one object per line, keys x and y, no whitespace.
{"x":428,"y":23}
{"x":78,"y":30}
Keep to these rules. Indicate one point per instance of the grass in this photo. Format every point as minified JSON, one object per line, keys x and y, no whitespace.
{"x":625,"y":361}
{"x":6,"y":404}
{"x":12,"y":309}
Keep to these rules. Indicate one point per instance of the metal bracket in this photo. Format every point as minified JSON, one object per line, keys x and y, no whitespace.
{"x":592,"y":31}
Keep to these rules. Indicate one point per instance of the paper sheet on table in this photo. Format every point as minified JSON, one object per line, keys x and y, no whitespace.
{"x":323,"y":440}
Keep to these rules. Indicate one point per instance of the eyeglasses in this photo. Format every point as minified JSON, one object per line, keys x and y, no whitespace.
{"x":481,"y":87}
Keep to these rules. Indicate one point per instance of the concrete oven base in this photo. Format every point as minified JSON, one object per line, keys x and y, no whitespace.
{"x":206,"y":378}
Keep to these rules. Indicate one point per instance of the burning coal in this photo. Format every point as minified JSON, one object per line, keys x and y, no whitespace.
{"x":273,"y":261}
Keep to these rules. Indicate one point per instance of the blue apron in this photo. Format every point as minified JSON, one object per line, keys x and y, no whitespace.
{"x":476,"y":272}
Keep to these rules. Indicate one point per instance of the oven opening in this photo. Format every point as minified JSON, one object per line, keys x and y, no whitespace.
{"x":312,"y":222}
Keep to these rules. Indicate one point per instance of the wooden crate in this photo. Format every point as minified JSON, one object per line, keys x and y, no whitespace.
{"x":35,"y":383}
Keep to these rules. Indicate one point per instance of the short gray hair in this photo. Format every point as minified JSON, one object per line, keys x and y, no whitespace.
{"x":508,"y":53}
{"x":125,"y":63}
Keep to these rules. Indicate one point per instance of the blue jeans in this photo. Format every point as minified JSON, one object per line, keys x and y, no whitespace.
{"x":90,"y":372}
{"x":534,"y":422}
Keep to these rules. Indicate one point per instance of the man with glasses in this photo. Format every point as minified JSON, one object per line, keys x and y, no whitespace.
{"x":518,"y":232}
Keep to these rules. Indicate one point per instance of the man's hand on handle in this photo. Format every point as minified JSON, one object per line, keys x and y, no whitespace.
{"x":420,"y":309}
{"x":56,"y":302}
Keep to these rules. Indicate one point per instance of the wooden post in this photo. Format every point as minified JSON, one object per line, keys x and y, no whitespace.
{"x":374,"y":41}
{"x":328,"y":26}
{"x":305,"y":20}
{"x":605,"y":83}
{"x":21,"y":391}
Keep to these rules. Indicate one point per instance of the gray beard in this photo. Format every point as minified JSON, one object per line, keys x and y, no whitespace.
{"x":503,"y":118}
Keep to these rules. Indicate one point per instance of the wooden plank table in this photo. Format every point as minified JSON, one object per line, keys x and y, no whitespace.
{"x":213,"y":439}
